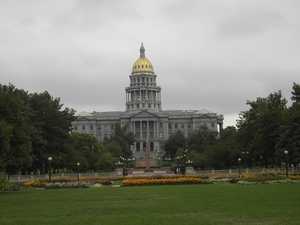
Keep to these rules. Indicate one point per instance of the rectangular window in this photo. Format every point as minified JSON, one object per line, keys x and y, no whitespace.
{"x":111,"y":127}
{"x":212,"y":124}
{"x":137,"y":135}
{"x":83,"y":127}
{"x":151,"y":135}
{"x":160,"y":124}
{"x":75,"y":127}
{"x":175,"y":125}
{"x":169,"y":126}
{"x":182,"y":126}
{"x":91,"y":127}
{"x":189,"y":125}
{"x":105,"y":127}
{"x":99,"y":127}
{"x":99,"y":137}
{"x":137,"y":124}
{"x":144,"y":135}
{"x":151,"y":124}
{"x":160,"y":134}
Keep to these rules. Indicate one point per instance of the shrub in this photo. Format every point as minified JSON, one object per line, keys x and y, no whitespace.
{"x":12,"y":187}
{"x":3,"y":182}
{"x":67,"y":185}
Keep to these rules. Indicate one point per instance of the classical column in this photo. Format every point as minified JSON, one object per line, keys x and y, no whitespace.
{"x":147,"y":134}
{"x":141,"y":130}
{"x":147,"y":154}
{"x":154,"y":129}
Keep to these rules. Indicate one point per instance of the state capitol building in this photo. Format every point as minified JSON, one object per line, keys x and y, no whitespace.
{"x":144,"y":114}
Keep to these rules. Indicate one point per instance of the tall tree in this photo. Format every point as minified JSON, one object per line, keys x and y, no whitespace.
{"x":260,"y":127}
{"x":5,"y":135}
{"x":50,"y":126}
{"x":290,"y":138}
{"x":13,"y":107}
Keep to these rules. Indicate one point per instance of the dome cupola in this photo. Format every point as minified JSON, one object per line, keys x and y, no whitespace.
{"x":142,"y":65}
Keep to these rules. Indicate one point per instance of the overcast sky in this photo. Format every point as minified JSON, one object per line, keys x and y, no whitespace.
{"x":206,"y":54}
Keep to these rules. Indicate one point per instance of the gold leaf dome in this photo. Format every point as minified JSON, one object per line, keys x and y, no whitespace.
{"x":142,"y":65}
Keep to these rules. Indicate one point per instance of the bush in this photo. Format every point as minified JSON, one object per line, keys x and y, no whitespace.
{"x":3,"y":182}
{"x":13,"y":187}
{"x":67,"y":185}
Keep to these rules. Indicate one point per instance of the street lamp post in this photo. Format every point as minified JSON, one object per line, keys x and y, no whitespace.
{"x":286,"y":152}
{"x":119,"y":164}
{"x":128,"y":162}
{"x":239,"y":159}
{"x":132,"y":147}
{"x":78,"y":164}
{"x":49,"y":159}
{"x":178,"y":158}
{"x":189,"y":162}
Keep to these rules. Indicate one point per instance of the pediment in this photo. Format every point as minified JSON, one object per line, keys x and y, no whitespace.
{"x":144,"y":114}
{"x":83,"y":114}
{"x":83,"y":118}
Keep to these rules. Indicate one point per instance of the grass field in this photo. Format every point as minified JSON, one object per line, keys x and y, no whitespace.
{"x":222,"y":203}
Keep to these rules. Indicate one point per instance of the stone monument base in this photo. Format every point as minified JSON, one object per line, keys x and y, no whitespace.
{"x":119,"y":172}
{"x":189,"y":170}
{"x":143,"y":162}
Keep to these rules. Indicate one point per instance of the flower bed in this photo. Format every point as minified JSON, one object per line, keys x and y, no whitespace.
{"x":67,"y":185}
{"x":142,"y":181}
{"x":286,"y":181}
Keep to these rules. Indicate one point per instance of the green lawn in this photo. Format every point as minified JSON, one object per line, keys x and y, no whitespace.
{"x":222,"y":203}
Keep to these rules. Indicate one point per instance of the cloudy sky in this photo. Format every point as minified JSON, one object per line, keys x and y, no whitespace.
{"x":206,"y":54}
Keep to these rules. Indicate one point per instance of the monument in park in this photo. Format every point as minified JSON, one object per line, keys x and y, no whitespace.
{"x":146,"y":161}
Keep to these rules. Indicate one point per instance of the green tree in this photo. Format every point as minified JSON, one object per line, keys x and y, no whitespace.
{"x":124,"y":138}
{"x":5,"y":135}
{"x":260,"y":127}
{"x":49,"y":128}
{"x":174,"y":142}
{"x":114,"y":148}
{"x":225,"y":154}
{"x":291,"y":135}
{"x":90,"y":154}
{"x":202,"y":138}
{"x":13,"y":106}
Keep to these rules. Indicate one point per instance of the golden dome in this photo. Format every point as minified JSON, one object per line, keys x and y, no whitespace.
{"x":142,"y":65}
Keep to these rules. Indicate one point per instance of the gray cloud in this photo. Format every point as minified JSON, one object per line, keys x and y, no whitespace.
{"x":206,"y":54}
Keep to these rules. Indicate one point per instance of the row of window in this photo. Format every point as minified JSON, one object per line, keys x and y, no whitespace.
{"x":83,"y":127}
{"x":144,"y":125}
{"x":151,"y":136}
{"x":143,"y":106}
{"x":142,"y":66}
{"x":143,"y":79}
